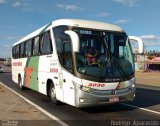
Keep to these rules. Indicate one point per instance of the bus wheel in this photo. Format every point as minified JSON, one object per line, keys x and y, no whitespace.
{"x":53,"y":95}
{"x":20,"y":83}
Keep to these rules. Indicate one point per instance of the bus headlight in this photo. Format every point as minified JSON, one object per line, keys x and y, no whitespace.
{"x":131,"y":87}
{"x":87,"y":89}
{"x":84,"y":88}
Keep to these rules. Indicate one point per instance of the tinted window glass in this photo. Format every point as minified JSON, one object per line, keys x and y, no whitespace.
{"x":28,"y":48}
{"x":67,"y":55}
{"x":46,"y":46}
{"x":14,"y":52}
{"x":22,"y":50}
{"x":17,"y":51}
{"x":60,"y":36}
{"x":64,"y":47}
{"x":36,"y":46}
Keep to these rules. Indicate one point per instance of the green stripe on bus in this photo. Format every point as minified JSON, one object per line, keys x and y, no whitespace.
{"x":33,"y":82}
{"x":31,"y":73}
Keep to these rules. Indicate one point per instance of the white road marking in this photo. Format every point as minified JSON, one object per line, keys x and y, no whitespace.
{"x":148,"y":110}
{"x":38,"y":107}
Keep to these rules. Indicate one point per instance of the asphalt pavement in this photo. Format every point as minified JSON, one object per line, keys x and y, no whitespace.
{"x":148,"y":79}
{"x":16,"y":111}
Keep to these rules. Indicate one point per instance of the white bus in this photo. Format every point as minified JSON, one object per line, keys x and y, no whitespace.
{"x":79,"y":62}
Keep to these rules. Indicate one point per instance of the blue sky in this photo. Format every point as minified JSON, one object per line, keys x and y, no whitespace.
{"x":137,"y":17}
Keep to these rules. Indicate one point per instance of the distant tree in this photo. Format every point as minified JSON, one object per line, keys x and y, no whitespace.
{"x":150,"y":57}
{"x":153,"y":53}
{"x":150,"y":52}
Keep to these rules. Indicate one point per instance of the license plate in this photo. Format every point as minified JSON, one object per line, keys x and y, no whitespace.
{"x":113,"y":99}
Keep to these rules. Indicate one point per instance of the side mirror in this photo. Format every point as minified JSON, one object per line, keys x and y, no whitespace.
{"x":140,"y":43}
{"x":75,"y":40}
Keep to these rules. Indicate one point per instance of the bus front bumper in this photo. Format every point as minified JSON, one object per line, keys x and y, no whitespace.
{"x":85,"y":99}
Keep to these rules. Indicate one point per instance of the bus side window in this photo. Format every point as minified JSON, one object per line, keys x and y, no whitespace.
{"x":28,"y":48}
{"x":22,"y":50}
{"x":14,"y":52}
{"x":46,"y":44}
{"x":36,"y":46}
{"x":17,"y":52}
{"x":59,"y":35}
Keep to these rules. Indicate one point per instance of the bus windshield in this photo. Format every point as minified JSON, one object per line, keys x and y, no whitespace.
{"x":104,"y":54}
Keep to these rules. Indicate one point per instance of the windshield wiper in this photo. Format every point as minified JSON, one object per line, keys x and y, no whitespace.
{"x":108,"y":53}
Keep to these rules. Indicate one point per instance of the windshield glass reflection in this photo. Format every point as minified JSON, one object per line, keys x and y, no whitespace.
{"x":104,"y":55}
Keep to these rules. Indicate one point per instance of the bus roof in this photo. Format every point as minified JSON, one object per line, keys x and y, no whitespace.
{"x":72,"y":22}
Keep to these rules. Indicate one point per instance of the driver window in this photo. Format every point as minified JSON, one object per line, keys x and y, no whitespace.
{"x":67,"y":55}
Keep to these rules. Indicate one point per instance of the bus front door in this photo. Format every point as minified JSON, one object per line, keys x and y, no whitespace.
{"x":68,"y":88}
{"x":67,"y":72}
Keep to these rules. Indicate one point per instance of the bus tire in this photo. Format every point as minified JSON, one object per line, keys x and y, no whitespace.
{"x":20,"y":83}
{"x":52,"y":93}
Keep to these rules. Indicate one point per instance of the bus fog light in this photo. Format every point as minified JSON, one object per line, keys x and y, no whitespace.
{"x":82,"y":100}
{"x":133,"y":85}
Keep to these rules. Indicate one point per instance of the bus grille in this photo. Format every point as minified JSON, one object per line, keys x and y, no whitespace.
{"x":112,"y":92}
